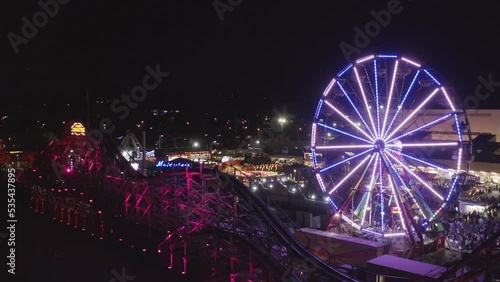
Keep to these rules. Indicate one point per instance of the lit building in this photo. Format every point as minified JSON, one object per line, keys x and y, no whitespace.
{"x":193,"y":155}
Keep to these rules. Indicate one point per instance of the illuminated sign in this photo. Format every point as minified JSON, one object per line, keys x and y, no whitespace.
{"x":77,"y":129}
{"x":171,"y":164}
{"x":266,"y":167}
{"x":199,"y":155}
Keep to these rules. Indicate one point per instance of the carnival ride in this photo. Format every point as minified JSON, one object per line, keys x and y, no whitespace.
{"x":181,"y":215}
{"x":379,"y":121}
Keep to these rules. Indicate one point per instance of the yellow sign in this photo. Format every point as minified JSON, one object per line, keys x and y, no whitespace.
{"x":77,"y":129}
{"x":266,"y":167}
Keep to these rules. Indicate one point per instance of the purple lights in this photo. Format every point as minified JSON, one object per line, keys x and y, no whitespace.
{"x":378,"y":110}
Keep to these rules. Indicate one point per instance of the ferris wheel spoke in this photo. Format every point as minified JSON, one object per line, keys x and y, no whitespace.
{"x":355,"y":189}
{"x":356,"y":109}
{"x":343,"y":132}
{"x":421,"y":161}
{"x":344,"y":147}
{"x":370,"y":186}
{"x":346,"y":160}
{"x":403,"y":101}
{"x":381,"y":179}
{"x":387,"y":109}
{"x":430,"y":144}
{"x":350,"y":174}
{"x":408,"y":190}
{"x":376,"y":133}
{"x":427,"y":125}
{"x":412,"y":114}
{"x":349,"y":120}
{"x":407,"y":169}
{"x":375,"y":78}
{"x":397,"y":199}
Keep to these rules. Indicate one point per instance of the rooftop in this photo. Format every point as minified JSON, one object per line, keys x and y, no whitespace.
{"x":392,"y":265}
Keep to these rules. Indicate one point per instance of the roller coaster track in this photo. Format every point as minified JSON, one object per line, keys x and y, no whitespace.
{"x":181,"y":213}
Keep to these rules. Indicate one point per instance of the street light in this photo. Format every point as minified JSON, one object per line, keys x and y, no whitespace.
{"x":159,"y":140}
{"x":282,"y":121}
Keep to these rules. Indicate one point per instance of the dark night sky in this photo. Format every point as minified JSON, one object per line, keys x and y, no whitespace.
{"x":266,"y":53}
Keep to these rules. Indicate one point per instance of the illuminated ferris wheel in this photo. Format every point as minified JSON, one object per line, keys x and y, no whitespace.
{"x":388,"y":146}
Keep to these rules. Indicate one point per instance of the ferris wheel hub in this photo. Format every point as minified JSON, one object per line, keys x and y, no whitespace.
{"x":379,"y":145}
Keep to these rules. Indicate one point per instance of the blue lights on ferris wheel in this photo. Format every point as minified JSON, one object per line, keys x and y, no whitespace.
{"x":366,"y":93}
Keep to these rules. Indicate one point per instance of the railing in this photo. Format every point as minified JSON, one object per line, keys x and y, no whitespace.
{"x":321,"y":268}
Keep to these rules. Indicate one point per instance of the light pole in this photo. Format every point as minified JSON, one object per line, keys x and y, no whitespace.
{"x":282,"y":121}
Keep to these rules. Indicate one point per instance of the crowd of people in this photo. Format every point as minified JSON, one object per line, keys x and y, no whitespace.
{"x":468,"y":230}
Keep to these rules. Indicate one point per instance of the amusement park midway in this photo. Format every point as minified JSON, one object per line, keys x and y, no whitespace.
{"x":242,"y":141}
{"x":391,"y":182}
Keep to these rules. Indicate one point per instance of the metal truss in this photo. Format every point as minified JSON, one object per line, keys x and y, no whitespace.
{"x":187,"y":216}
